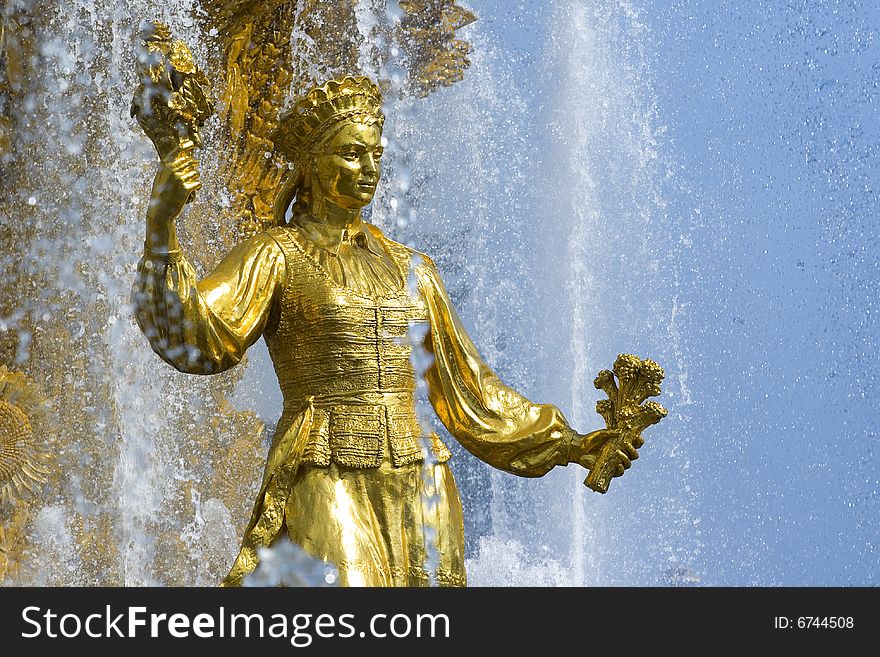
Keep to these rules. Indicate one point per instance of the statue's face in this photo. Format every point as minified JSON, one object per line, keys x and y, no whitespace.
{"x":347,"y":169}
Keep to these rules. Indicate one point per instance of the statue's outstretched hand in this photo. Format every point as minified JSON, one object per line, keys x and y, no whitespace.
{"x":171,"y":103}
{"x":586,"y":448}
{"x":610,"y":452}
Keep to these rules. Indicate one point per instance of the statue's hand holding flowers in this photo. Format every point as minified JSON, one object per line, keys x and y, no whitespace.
{"x":586,"y":449}
{"x":171,"y":104}
{"x":609,"y":452}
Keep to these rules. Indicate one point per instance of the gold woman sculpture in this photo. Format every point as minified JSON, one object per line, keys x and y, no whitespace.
{"x":347,"y":475}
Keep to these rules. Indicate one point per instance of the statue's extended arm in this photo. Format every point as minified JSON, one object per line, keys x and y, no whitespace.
{"x":491,"y":420}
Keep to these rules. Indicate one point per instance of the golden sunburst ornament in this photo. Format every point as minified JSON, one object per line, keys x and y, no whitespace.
{"x":26,"y":436}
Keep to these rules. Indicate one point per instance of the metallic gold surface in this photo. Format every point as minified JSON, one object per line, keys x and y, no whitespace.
{"x":28,"y":446}
{"x":350,"y":467}
{"x":172,"y":101}
{"x":343,"y":516}
{"x":12,"y":542}
{"x":26,"y":437}
{"x":67,"y":337}
{"x":429,"y":29}
{"x":637,"y":380}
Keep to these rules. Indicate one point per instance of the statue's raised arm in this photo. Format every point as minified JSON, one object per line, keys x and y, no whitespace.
{"x":199,"y":327}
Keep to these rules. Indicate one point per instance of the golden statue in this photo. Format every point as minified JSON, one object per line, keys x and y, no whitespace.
{"x":352,"y":476}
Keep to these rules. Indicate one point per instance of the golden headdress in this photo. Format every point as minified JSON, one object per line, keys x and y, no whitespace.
{"x":309,"y":123}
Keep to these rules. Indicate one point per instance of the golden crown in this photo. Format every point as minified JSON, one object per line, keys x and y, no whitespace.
{"x":306,"y":124}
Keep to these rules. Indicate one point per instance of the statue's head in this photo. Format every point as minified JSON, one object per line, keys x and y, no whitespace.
{"x":333,"y":139}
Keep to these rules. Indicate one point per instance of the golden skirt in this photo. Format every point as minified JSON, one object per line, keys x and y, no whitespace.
{"x":385,"y":526}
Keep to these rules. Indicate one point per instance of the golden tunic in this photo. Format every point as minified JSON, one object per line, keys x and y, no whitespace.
{"x":347,"y":474}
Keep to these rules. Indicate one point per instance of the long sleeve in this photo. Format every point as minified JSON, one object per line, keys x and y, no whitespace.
{"x":204,"y":327}
{"x":492,"y":421}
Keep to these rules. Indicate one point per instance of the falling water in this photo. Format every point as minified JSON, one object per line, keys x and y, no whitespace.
{"x":469,"y":178}
{"x":609,"y":170}
{"x":124,"y":459}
